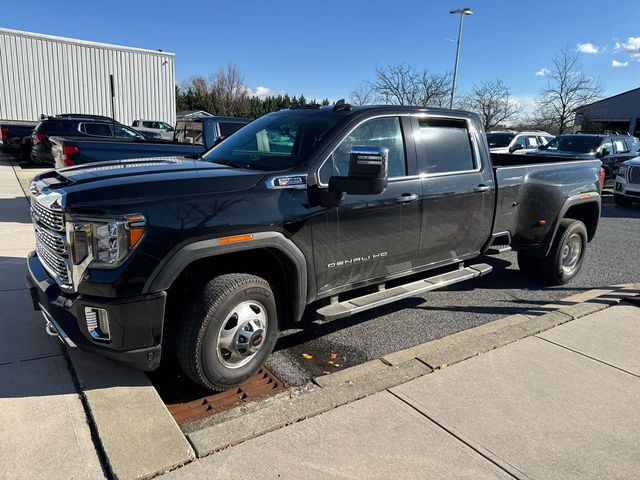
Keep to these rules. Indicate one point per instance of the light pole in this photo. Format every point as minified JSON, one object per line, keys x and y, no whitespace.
{"x":462,"y":11}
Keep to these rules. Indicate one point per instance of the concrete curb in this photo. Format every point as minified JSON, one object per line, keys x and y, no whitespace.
{"x":400,"y":367}
{"x":139,"y":437}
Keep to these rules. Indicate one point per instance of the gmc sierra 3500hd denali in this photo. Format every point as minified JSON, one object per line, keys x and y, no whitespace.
{"x":303,"y":209}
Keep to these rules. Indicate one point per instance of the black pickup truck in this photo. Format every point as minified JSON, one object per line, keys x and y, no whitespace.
{"x":312,"y":209}
{"x":191,"y":138}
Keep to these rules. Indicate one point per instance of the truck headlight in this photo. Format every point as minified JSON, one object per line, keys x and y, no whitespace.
{"x":622,"y":171}
{"x":106,"y":241}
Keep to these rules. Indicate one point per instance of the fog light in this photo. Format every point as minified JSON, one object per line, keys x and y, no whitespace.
{"x":97,"y":323}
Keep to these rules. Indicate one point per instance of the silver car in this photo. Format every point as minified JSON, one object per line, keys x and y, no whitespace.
{"x":508,"y":141}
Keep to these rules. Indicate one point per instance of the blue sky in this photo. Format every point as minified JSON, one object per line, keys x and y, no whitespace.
{"x":326,"y":48}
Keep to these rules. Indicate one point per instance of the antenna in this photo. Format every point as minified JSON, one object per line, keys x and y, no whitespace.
{"x":341,"y":105}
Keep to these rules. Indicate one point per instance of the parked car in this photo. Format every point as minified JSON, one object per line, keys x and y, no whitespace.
{"x":158,"y":129}
{"x":192,"y":138}
{"x":298,"y":210}
{"x":612,"y":150}
{"x":85,"y":126}
{"x":12,"y":135}
{"x":627,"y":187}
{"x":511,"y":141}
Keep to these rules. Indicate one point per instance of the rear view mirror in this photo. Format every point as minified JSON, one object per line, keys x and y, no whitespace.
{"x":367,"y":172}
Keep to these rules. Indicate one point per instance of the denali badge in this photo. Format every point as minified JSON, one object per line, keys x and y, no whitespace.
{"x":373,"y":256}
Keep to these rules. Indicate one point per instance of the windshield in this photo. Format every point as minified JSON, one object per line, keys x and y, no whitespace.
{"x":276,"y":141}
{"x":574,"y":143}
{"x":499,"y":140}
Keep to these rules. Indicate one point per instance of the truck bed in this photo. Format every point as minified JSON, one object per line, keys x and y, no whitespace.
{"x":532,"y":189}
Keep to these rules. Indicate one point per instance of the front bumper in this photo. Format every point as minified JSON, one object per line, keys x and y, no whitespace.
{"x":631,"y":190}
{"x":135,"y":323}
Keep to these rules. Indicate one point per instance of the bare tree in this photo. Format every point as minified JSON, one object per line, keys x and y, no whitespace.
{"x":567,"y":89}
{"x":493,"y":102}
{"x":363,"y":95}
{"x":404,"y":85}
{"x":229,"y":91}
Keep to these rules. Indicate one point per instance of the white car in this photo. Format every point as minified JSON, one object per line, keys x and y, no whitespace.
{"x":627,"y":188}
{"x":164,"y":130}
{"x":510,"y":141}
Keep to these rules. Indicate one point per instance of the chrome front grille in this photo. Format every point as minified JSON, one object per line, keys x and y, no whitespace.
{"x":51,"y":244}
{"x":54,"y":263}
{"x":52,"y":240}
{"x":634,"y":175}
{"x":47,"y":218}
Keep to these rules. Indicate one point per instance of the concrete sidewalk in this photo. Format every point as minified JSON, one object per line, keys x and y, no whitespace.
{"x":44,"y":431}
{"x":560,"y":404}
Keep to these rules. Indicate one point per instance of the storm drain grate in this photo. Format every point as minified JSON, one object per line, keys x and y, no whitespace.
{"x":261,"y":385}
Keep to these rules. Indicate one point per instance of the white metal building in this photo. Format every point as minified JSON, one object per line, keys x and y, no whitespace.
{"x":43,"y":74}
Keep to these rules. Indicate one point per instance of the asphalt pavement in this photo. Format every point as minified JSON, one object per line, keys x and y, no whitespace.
{"x":611,"y":258}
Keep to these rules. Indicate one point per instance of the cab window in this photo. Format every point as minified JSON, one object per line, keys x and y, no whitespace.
{"x":619,"y":146}
{"x":444,"y":146}
{"x":379,"y":132}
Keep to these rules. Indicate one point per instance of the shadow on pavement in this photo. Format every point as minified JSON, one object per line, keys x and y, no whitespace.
{"x":14,"y":210}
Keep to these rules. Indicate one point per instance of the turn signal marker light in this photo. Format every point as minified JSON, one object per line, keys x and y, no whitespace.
{"x":236,"y":238}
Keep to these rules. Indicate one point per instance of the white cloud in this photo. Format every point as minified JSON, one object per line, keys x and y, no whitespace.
{"x":631,"y":46}
{"x":616,"y":63}
{"x":543,"y":72}
{"x":261,"y":92}
{"x":588,"y":48}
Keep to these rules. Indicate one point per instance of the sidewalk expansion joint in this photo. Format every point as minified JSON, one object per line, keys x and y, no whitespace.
{"x":506,"y":467}
{"x":588,"y":356}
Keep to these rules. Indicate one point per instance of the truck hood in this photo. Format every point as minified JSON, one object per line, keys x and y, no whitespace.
{"x":632,"y":162}
{"x":144,"y":179}
{"x":91,"y":172}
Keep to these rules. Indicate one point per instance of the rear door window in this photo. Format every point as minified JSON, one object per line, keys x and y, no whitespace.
{"x":531,"y":141}
{"x":227,"y":128}
{"x":445,"y":146}
{"x":97,"y":129}
{"x":189,"y":132}
{"x":620,"y":146}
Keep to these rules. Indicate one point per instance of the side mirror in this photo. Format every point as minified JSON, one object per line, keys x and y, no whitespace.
{"x":603,"y":153}
{"x":517,"y":146}
{"x":218,"y":140}
{"x":367,"y":172}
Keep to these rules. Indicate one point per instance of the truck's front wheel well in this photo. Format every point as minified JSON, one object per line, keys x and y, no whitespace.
{"x":267,"y":263}
{"x":587,"y":213}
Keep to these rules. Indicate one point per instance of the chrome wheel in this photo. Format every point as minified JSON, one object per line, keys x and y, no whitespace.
{"x":571,"y":253}
{"x":242,"y":334}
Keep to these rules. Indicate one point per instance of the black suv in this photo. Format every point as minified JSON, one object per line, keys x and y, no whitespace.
{"x":75,"y":125}
{"x":612,"y":150}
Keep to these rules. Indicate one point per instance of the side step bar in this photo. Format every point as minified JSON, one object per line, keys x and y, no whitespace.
{"x":498,"y":249}
{"x":373,"y":300}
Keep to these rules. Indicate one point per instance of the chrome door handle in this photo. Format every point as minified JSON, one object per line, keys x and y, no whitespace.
{"x":406,"y":198}
{"x":481,"y":188}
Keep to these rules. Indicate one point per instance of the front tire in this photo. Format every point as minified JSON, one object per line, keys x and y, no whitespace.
{"x":228,"y":330}
{"x":567,"y":253}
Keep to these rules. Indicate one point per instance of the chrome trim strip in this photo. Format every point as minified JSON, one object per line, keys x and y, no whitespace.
{"x":61,"y":333}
